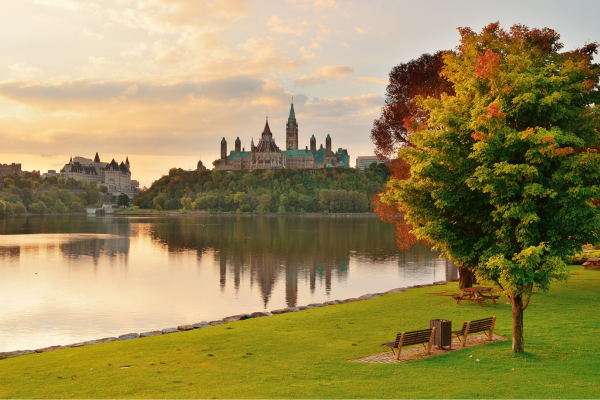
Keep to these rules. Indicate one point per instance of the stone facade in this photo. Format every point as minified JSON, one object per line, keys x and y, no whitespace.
{"x":115,"y":176}
{"x":9,"y":169}
{"x":267,"y":155}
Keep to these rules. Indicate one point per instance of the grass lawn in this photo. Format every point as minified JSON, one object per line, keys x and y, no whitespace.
{"x":304,"y":354}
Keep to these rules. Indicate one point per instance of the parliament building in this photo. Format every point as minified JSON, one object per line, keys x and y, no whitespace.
{"x":266,"y":154}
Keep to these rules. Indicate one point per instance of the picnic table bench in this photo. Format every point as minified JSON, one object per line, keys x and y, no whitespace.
{"x":409,"y":338}
{"x":592,"y":263}
{"x":480,"y":325}
{"x":477,"y":293}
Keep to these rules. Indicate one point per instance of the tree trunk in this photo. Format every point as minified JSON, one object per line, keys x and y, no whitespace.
{"x":517,"y":323}
{"x":466,"y":278}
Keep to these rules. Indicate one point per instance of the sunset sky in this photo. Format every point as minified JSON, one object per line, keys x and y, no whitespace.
{"x":162,"y":81}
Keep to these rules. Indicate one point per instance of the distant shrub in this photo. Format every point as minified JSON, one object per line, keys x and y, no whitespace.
{"x":38,"y":208}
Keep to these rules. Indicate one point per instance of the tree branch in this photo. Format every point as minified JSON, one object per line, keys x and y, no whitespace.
{"x":528,"y":297}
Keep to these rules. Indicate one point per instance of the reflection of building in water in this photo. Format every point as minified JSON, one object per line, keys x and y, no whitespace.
{"x":10,"y":253}
{"x":116,"y":246}
{"x":420,"y":261}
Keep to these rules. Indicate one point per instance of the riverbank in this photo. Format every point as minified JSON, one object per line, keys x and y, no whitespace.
{"x":147,"y":212}
{"x":305,"y":354}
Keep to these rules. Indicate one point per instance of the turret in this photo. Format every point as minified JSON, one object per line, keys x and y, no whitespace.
{"x":313,"y":145}
{"x":97,"y":158}
{"x":223,"y":149}
{"x":252,"y":147}
{"x":328,"y":146}
{"x":291,"y":130}
{"x":238,"y":145}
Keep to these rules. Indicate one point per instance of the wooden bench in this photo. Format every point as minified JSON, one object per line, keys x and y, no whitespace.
{"x":480,"y":325}
{"x":409,"y":338}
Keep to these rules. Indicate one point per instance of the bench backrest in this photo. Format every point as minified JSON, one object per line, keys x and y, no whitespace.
{"x":414,"y":337}
{"x":478,"y":325}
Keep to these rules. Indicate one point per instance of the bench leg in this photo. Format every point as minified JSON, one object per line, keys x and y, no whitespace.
{"x":397,"y":356}
{"x":463,"y":342}
{"x":430,"y":340}
{"x":492,"y":328}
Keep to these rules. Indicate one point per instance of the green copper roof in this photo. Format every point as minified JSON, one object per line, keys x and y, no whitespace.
{"x":312,"y":137}
{"x":320,"y":154}
{"x":297,"y":154}
{"x":238,"y":139}
{"x":292,"y":114}
{"x":328,"y":137}
{"x":223,"y":141}
{"x":242,"y":154}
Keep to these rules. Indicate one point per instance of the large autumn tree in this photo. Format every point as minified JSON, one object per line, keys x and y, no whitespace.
{"x":510,"y":180}
{"x":420,"y":77}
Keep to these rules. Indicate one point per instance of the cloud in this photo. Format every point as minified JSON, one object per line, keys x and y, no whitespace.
{"x":24,"y":71}
{"x":345,"y":45}
{"x":307,"y":80}
{"x":316,"y":4}
{"x":362,"y":31}
{"x":375,"y":80}
{"x":336,"y":72}
{"x":277,"y":25}
{"x":89,"y":33}
{"x":324,"y":75}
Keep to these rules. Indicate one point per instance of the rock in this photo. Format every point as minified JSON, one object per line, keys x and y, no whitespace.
{"x":340,"y":301}
{"x":232,"y":318}
{"x":202,"y":324}
{"x":51,"y":348}
{"x":267,"y":314}
{"x":185,"y":327}
{"x":315,"y":305}
{"x":440,"y":283}
{"x":291,"y":309}
{"x":215,"y":323}
{"x":152,"y":333}
{"x":169,"y":330}
{"x":77,"y":344}
{"x":397,"y":290}
{"x":129,"y":336}
{"x":369,"y":296}
{"x":258,"y":314}
{"x":352,"y":299}
{"x":280,"y":311}
{"x":16,"y":353}
{"x":330,"y":303}
{"x":246,"y":316}
{"x":302,"y":308}
{"x":97,"y":341}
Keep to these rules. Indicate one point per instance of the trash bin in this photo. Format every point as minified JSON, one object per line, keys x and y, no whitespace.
{"x":443,"y":332}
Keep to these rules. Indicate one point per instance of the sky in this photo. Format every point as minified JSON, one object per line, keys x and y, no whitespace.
{"x":163,"y":81}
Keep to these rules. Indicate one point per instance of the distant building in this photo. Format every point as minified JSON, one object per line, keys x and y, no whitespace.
{"x":363,"y":162}
{"x":51,"y":173}
{"x":267,"y":155}
{"x":200,"y":166}
{"x":115,"y":176}
{"x":9,"y":169}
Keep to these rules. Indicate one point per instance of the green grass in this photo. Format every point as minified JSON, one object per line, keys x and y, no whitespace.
{"x":304,"y":354}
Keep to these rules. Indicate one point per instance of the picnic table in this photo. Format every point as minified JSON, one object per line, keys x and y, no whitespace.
{"x":476,"y":293}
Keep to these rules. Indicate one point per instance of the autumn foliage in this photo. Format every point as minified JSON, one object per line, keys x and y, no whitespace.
{"x":505,"y":174}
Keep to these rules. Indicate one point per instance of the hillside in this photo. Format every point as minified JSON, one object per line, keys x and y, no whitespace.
{"x":266,"y":191}
{"x":30,"y":192}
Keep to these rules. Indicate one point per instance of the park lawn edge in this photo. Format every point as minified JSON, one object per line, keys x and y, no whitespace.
{"x":305,"y":354}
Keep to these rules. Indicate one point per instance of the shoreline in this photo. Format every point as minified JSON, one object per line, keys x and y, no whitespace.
{"x":205,"y":324}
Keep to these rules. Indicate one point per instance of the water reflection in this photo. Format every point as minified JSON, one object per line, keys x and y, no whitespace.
{"x":150,"y":273}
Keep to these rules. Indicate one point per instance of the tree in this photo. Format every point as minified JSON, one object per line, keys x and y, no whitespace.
{"x":123,"y":200}
{"x":419,"y":77}
{"x":511,"y":180}
{"x":103,"y":189}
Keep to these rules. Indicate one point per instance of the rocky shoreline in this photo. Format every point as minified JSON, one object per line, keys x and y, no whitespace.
{"x":205,"y":324}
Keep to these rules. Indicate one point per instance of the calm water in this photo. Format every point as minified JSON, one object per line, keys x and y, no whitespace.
{"x":73,"y":278}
